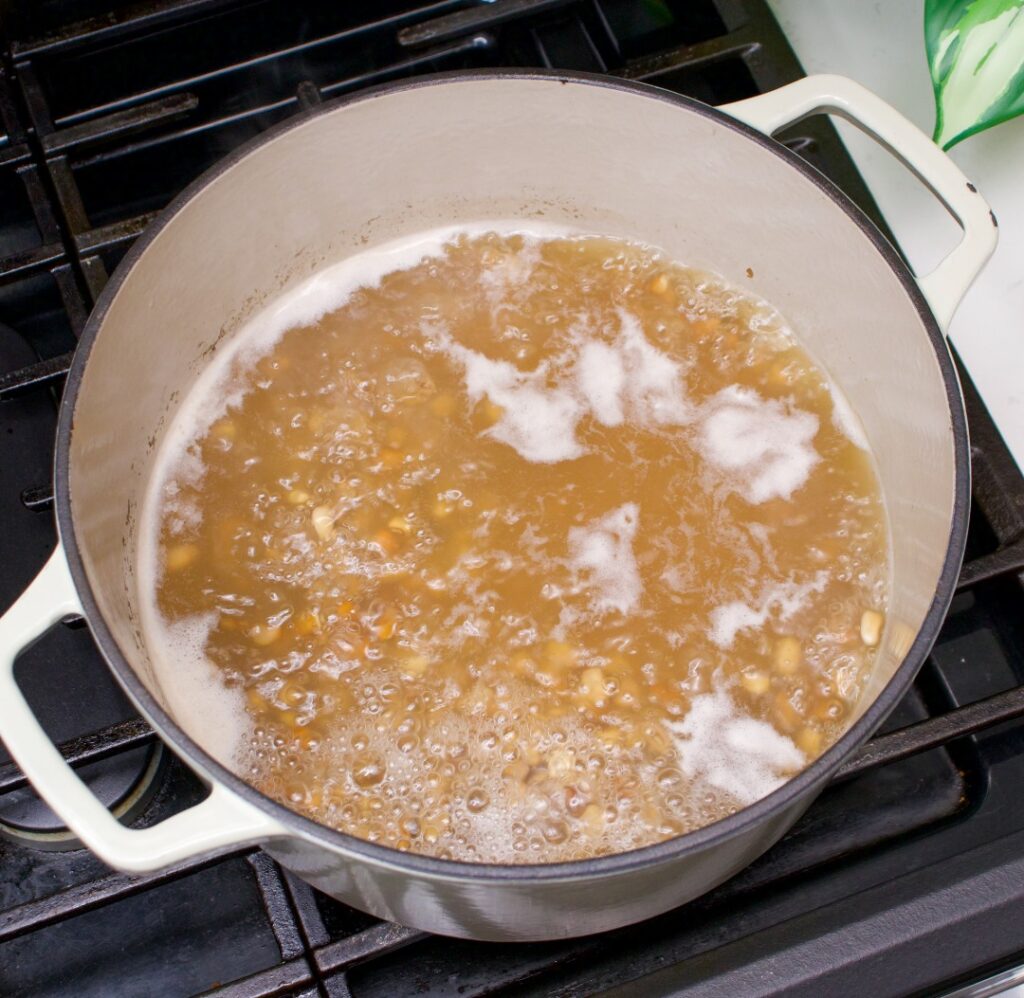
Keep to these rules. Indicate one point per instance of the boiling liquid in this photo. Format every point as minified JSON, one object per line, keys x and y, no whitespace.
{"x":531,"y":549}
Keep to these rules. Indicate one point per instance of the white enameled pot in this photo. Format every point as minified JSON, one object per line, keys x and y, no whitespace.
{"x":708,"y":186}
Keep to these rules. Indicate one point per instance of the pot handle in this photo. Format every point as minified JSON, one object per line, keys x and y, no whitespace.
{"x":947,"y":284}
{"x":220,"y":820}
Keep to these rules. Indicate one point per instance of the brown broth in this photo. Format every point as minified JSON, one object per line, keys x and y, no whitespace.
{"x":534,"y":550}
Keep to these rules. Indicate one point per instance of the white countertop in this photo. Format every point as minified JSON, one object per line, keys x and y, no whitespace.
{"x":881,"y":45}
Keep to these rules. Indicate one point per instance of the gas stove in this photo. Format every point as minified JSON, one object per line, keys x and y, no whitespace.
{"x":906,"y":877}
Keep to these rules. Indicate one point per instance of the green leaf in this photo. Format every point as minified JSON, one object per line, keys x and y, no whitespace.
{"x":976,"y":57}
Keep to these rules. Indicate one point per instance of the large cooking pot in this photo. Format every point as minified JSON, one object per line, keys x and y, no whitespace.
{"x":708,"y":186}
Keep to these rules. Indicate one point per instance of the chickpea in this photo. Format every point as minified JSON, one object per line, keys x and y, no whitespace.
{"x":788,"y":655}
{"x":323,"y":522}
{"x":180,"y":556}
{"x":871,"y":623}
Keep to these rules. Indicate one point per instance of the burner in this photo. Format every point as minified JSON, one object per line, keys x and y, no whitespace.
{"x":125,"y":784}
{"x":63,"y":676}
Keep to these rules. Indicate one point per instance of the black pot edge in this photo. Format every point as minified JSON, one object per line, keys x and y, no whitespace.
{"x":808,"y":782}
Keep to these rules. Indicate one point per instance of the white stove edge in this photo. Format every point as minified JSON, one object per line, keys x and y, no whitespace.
{"x":881,"y":45}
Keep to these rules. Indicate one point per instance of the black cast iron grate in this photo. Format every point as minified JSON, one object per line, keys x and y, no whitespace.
{"x":104,"y":119}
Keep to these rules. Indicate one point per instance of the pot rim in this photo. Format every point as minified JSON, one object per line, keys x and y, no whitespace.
{"x":775,"y":803}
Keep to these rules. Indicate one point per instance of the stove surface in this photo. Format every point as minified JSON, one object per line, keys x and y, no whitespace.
{"x":905,"y":877}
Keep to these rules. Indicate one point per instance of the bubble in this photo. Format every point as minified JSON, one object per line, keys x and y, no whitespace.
{"x":576,"y":801}
{"x":555,"y":832}
{"x":368,"y":771}
{"x":477,"y":800}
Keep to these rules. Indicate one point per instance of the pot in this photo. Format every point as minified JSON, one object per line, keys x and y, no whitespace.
{"x":708,"y":186}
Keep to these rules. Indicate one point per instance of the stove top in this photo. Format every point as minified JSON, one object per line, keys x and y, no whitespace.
{"x":905,"y":877}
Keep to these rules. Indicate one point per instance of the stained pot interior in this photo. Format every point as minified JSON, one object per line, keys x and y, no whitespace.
{"x":592,"y":156}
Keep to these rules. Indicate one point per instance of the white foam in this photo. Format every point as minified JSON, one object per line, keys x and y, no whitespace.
{"x":194,"y":693}
{"x":512,"y":270}
{"x":184,"y":515}
{"x":538,"y":422}
{"x":628,"y":378}
{"x":846,"y":420}
{"x":746,"y":758}
{"x":601,"y":377}
{"x":783,"y":599}
{"x":603,"y":553}
{"x":654,"y":383}
{"x":731,"y":618}
{"x":766,"y":444}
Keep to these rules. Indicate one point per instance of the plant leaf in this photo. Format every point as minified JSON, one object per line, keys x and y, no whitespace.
{"x":976,"y":57}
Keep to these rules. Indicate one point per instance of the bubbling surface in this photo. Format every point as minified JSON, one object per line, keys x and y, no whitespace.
{"x":515,"y":546}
